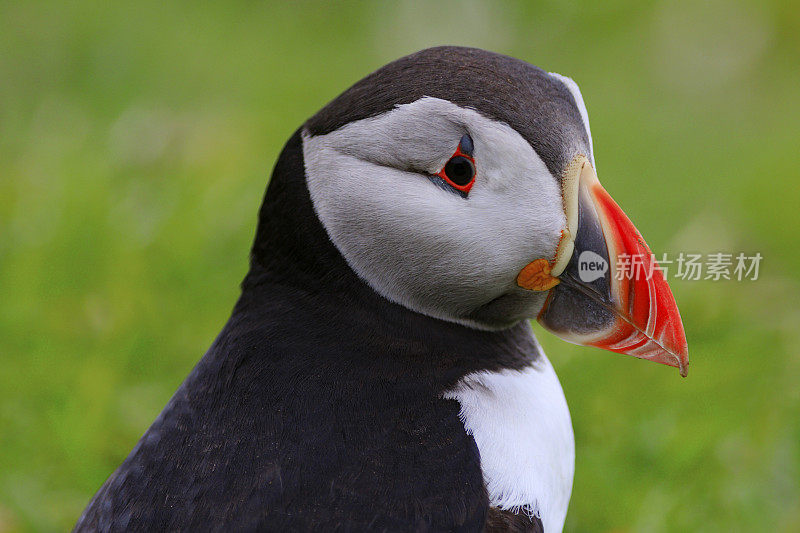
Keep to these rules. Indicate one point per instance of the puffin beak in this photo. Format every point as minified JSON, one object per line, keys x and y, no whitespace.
{"x":605,"y":287}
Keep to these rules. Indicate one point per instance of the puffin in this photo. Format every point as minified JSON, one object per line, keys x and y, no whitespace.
{"x":379,"y":371}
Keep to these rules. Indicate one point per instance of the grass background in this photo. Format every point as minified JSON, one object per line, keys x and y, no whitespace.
{"x":136,"y":140}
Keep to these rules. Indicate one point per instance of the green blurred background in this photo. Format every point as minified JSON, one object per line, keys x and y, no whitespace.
{"x":136,"y":140}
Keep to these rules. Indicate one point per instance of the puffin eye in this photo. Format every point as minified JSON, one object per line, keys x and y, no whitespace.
{"x":458,"y":174}
{"x":459,"y":170}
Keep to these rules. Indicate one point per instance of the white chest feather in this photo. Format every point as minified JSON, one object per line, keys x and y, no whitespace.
{"x":521,"y":424}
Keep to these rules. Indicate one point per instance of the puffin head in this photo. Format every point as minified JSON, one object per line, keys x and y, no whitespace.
{"x":461,"y":184}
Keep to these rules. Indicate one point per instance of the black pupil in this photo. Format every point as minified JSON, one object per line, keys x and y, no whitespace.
{"x":459,"y":170}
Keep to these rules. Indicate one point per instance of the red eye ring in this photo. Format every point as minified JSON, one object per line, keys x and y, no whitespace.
{"x":459,"y":156}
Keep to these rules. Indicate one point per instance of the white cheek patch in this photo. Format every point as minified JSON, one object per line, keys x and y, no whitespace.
{"x":521,"y":424}
{"x":405,"y":138}
{"x":416,"y":244}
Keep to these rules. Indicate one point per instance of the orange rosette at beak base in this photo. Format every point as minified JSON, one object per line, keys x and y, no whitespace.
{"x":536,"y":276}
